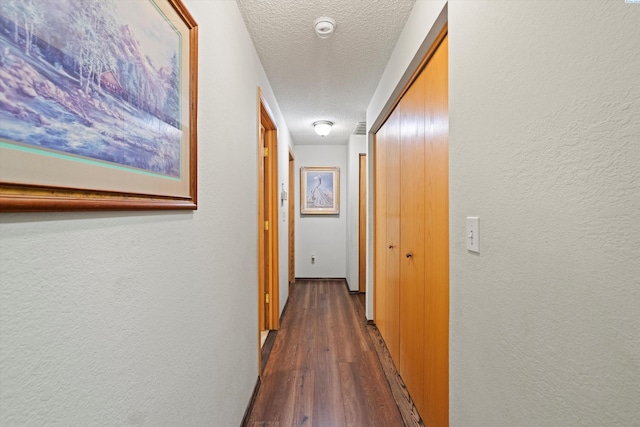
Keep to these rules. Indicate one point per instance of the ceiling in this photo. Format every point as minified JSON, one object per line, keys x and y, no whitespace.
{"x":324,"y":79}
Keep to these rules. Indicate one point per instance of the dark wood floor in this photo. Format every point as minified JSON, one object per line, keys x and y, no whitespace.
{"x":325,"y":366}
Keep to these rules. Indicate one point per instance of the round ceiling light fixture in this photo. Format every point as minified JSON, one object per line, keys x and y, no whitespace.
{"x":322,"y":127}
{"x":324,"y":27}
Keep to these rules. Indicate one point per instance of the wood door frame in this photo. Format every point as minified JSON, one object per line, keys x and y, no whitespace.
{"x":362,"y":223}
{"x":268,"y":195}
{"x":292,"y":218}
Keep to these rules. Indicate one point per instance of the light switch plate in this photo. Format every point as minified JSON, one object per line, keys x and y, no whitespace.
{"x":473,"y":234}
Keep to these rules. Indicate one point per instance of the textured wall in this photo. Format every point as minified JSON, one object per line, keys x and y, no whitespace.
{"x":284,"y":142}
{"x":357,"y":144}
{"x":545,"y":149}
{"x":146,"y":318}
{"x":322,"y":235}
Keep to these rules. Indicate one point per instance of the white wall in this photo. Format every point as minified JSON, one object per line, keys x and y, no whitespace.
{"x":284,"y":142}
{"x":325,"y":236}
{"x":357,"y":144}
{"x":544,"y":323}
{"x":146,"y":318}
{"x":545,"y":148}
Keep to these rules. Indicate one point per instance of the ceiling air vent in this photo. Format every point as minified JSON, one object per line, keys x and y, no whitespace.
{"x":361,"y":128}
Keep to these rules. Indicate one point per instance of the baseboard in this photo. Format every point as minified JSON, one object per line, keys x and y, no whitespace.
{"x":331,"y":278}
{"x":284,"y":309}
{"x":252,"y":401}
{"x":346,"y":282}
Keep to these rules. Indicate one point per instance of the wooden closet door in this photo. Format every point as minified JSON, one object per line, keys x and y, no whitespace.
{"x":387,"y":227}
{"x":380,"y":302}
{"x":412,"y":237}
{"x":393,"y":235}
{"x":412,"y":246}
{"x":435,"y":410}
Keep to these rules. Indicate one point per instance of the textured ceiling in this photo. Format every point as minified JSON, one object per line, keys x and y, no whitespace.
{"x":324,"y":79}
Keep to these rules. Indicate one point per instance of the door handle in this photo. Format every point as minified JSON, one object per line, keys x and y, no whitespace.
{"x":409,"y":255}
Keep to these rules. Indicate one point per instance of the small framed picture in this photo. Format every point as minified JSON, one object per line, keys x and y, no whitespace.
{"x":319,"y":190}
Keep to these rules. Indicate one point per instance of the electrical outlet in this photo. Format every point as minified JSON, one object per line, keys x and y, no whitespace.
{"x":313,"y":259}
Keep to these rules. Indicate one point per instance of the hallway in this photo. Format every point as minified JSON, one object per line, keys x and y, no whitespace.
{"x":324,"y":368}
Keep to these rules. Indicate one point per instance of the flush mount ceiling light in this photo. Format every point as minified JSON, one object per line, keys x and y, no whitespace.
{"x":324,"y":27}
{"x":322,"y":127}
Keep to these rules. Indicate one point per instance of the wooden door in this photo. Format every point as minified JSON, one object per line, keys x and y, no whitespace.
{"x":263,"y":234}
{"x":412,"y":210}
{"x":272,"y":194}
{"x":392,"y":229}
{"x":380,"y":301}
{"x":266,"y":244}
{"x":387,"y":233}
{"x":435,"y":410}
{"x":362,"y":225}
{"x":412,"y":245}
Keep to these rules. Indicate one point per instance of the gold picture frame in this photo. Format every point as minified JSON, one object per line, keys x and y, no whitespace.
{"x":319,"y":190}
{"x":112,"y":131}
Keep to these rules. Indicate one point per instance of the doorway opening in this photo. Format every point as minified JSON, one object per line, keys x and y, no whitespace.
{"x":268,"y":274}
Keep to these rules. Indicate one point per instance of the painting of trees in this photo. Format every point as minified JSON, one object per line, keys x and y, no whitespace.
{"x":93,"y":29}
{"x":69,"y":63}
{"x":26,"y":14}
{"x":172,"y":102}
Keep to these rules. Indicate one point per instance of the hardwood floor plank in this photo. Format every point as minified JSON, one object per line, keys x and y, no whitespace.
{"x":275,"y":395}
{"x":323,"y":369}
{"x":404,"y":403}
{"x":354,"y":400}
{"x":328,"y":409}
{"x":378,"y":395}
{"x":303,"y":409}
{"x":267,"y":347}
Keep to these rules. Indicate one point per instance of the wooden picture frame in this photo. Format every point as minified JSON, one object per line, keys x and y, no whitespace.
{"x":98,"y":105}
{"x":319,"y":190}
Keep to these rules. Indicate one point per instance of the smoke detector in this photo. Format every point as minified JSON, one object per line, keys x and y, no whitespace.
{"x":324,"y":27}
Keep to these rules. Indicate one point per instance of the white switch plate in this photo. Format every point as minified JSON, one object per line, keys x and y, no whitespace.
{"x":473,"y":234}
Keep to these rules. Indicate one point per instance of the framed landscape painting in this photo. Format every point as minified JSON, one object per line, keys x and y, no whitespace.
{"x":319,"y":190}
{"x":98,"y":105}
